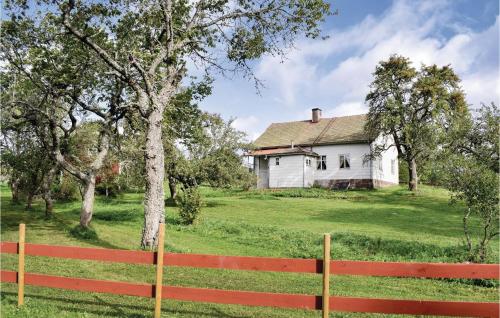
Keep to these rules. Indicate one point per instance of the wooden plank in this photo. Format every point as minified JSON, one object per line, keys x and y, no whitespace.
{"x":249,"y":298}
{"x":246,"y":298}
{"x":20,"y":265}
{"x":159,"y":270}
{"x":414,"y":307}
{"x":326,"y":276}
{"x":271,"y":264}
{"x":8,"y":277}
{"x":337,"y":267}
{"x":8,"y":247}
{"x":88,"y":253}
{"x":428,"y":270}
{"x":90,"y":285}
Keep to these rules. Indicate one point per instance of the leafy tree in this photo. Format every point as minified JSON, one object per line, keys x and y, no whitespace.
{"x":62,"y":87}
{"x":219,"y":155}
{"x":415,"y":110}
{"x":189,"y":205}
{"x":473,"y":174}
{"x":147,"y":45}
{"x":24,"y":156}
{"x":31,"y":169}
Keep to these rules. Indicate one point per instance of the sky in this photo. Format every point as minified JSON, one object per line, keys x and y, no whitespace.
{"x":335,"y":74}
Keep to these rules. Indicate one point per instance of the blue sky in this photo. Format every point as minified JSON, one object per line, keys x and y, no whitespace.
{"x":334,"y":74}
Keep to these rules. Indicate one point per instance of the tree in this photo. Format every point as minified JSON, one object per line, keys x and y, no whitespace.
{"x":62,"y":87}
{"x":219,"y":155}
{"x":415,"y":110}
{"x":473,"y":174}
{"x":30,"y":168}
{"x":147,"y":45}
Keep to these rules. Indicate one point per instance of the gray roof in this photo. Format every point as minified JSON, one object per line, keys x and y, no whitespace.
{"x":336,"y":130}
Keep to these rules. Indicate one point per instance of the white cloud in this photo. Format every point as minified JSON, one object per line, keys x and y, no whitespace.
{"x":346,"y":109}
{"x":247,"y":125}
{"x":316,"y":74}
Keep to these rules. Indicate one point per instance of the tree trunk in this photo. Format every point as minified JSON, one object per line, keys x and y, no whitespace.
{"x":49,"y":205}
{"x":172,"y":185}
{"x":29,"y":201}
{"x":88,"y":202}
{"x":14,"y":187}
{"x":154,"y":205}
{"x":47,"y":190}
{"x":412,"y":175}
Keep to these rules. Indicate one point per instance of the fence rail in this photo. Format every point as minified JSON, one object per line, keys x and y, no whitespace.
{"x":250,"y":298}
{"x":272,"y":264}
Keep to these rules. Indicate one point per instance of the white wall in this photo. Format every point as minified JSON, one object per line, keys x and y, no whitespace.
{"x":356,"y":153}
{"x":386,"y":173}
{"x":289,"y":173}
{"x":262,"y":171}
{"x":309,"y":171}
{"x":293,"y":172}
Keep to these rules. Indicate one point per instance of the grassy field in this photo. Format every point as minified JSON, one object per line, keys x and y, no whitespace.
{"x":390,"y":224}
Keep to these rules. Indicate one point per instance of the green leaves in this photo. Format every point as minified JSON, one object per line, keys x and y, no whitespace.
{"x":418,"y":108}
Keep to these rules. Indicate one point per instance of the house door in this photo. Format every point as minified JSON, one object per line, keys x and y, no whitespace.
{"x":263,"y":173}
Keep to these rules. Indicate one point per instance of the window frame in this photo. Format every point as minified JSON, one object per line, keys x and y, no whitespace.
{"x":366,"y":163}
{"x":347,"y":159}
{"x":277,"y":161}
{"x":321,"y":163}
{"x":308,"y":162}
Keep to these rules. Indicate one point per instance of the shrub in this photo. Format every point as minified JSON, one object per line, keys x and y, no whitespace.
{"x":82,"y":233}
{"x":189,"y":203}
{"x":108,"y":189}
{"x":67,"y":190}
{"x":247,"y":180}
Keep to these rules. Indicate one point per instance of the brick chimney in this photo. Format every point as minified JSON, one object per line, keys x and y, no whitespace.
{"x":316,"y":115}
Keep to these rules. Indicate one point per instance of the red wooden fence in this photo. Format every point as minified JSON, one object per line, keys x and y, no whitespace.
{"x":337,"y":303}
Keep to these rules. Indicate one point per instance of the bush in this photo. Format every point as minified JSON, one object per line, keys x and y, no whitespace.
{"x":82,"y":233}
{"x":108,"y":189}
{"x":189,"y":203}
{"x":246,"y":180}
{"x":67,"y":190}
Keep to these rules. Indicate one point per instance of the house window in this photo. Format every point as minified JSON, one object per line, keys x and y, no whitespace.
{"x":308,"y":162}
{"x":366,"y":162}
{"x":380,"y":166}
{"x":277,"y":161}
{"x":345,"y":162}
{"x":321,"y":163}
{"x":393,"y":167}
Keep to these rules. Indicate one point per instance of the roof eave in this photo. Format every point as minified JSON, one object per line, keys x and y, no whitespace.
{"x":363,"y":141}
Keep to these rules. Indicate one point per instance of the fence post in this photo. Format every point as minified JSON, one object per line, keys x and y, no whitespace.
{"x":159,"y":270}
{"x":20,"y":265}
{"x":326,"y":275}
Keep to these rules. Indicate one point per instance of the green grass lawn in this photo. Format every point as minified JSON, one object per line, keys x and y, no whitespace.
{"x":390,"y":224}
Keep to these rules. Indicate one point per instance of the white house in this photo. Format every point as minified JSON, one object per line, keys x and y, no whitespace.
{"x":329,"y":152}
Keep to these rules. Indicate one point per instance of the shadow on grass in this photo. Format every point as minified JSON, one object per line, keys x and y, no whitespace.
{"x":214,"y":204}
{"x":36,"y":220}
{"x":369,"y":246}
{"x":117,"y":311}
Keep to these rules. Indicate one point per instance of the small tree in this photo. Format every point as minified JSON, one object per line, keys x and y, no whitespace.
{"x":415,"y":110}
{"x":189,"y":203}
{"x":473,"y":178}
{"x":477,"y":186}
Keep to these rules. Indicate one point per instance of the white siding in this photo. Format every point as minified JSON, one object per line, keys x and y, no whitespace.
{"x":292,"y":171}
{"x":261,"y":166}
{"x":289,"y":173}
{"x":309,"y":172}
{"x":385,"y":174}
{"x":356,"y":153}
